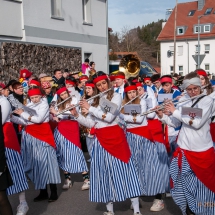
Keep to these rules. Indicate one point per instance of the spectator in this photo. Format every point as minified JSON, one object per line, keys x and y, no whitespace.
{"x":9,"y":86}
{"x":58,"y":77}
{"x":92,"y":69}
{"x":86,"y":67}
{"x":66,"y":73}
{"x":75,"y":74}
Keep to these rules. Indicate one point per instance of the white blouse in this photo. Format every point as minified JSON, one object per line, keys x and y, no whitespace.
{"x":97,"y":113}
{"x":140,"y":120}
{"x":41,"y":116}
{"x":195,"y":137}
{"x":6,"y":109}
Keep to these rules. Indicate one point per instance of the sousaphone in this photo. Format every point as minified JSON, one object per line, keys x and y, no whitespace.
{"x":130,"y":66}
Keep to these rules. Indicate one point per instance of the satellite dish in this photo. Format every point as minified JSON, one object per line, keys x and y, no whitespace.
{"x":169,"y":53}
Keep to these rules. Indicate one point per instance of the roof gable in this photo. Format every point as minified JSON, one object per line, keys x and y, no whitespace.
{"x":167,"y":33}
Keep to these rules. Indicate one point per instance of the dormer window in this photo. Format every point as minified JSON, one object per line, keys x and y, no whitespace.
{"x":180,"y":30}
{"x":197,"y":29}
{"x":207,"y":28}
{"x":208,"y":11}
{"x":191,"y":13}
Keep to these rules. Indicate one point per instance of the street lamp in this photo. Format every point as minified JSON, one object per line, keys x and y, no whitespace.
{"x":199,"y":17}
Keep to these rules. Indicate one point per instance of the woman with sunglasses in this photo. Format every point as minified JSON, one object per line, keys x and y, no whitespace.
{"x":113,"y":176}
{"x":67,"y":137}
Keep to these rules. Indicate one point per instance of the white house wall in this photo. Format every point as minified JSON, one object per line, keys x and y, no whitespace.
{"x":186,"y":60}
{"x":39,"y":27}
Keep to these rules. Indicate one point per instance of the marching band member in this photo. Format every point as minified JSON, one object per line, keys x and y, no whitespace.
{"x":38,"y":146}
{"x":208,"y":91}
{"x":150,"y":157}
{"x":204,"y":81}
{"x":119,"y":83}
{"x":81,"y":83}
{"x":67,"y":137}
{"x":192,"y":169}
{"x":14,"y":161}
{"x":155,"y":79}
{"x":112,"y":172}
{"x":89,"y":92}
{"x":171,"y":133}
{"x":5,"y":177}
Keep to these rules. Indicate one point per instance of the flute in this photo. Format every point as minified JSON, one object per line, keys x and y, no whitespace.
{"x":160,"y":108}
{"x":68,"y":109}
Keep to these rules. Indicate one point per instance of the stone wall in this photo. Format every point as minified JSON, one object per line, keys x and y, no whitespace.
{"x":36,"y":58}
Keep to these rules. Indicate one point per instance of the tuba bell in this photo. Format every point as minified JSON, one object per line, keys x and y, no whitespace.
{"x":130,"y":66}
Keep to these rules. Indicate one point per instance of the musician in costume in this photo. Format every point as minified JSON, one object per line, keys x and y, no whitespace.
{"x":208,"y":90}
{"x":14,"y":161}
{"x":192,"y":169}
{"x":119,"y":83}
{"x":150,"y":157}
{"x":171,"y":133}
{"x":112,"y":173}
{"x":38,"y":148}
{"x":67,"y":137}
{"x":5,"y":177}
{"x":88,"y":93}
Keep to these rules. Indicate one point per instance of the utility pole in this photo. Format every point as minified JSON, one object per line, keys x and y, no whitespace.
{"x":175,"y":29}
{"x":199,"y":31}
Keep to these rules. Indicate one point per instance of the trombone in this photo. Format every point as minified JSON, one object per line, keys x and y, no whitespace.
{"x":163,"y":105}
{"x":91,"y":98}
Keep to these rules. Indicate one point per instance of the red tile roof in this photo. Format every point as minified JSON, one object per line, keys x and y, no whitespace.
{"x":167,"y":33}
{"x":158,"y":69}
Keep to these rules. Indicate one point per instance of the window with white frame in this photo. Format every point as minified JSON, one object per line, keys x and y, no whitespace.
{"x":180,"y":50}
{"x":197,"y":29}
{"x":171,"y":68}
{"x":207,"y":67}
{"x":180,"y":31}
{"x":207,"y":28}
{"x":207,"y":48}
{"x":56,"y":6}
{"x":87,"y":16}
{"x":180,"y":68}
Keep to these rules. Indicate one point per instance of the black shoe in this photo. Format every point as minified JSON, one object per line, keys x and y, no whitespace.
{"x":42,"y":196}
{"x":53,"y":197}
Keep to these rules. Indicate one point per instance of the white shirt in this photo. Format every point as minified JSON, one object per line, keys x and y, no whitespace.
{"x":196,"y":137}
{"x":140,"y":120}
{"x":121,"y":90}
{"x":6,"y":109}
{"x":97,"y":113}
{"x":41,"y":116}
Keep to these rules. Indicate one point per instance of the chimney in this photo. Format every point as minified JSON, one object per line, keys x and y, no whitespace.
{"x":201,"y":4}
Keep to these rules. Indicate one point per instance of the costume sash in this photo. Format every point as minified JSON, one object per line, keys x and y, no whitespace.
{"x":212,"y":125}
{"x":202,"y":164}
{"x":70,"y":130}
{"x":142,"y":131}
{"x":10,"y":137}
{"x":113,"y":140}
{"x":42,"y":132}
{"x":156,"y":130}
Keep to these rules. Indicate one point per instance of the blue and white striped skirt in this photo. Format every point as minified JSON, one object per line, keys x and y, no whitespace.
{"x":110,"y":178}
{"x":173,"y":146}
{"x":189,"y":190}
{"x":15,"y":166}
{"x":89,"y":142}
{"x":151,"y":162}
{"x":40,"y":161}
{"x":70,"y":157}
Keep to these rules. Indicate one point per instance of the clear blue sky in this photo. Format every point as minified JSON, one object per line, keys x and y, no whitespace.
{"x":133,"y":13}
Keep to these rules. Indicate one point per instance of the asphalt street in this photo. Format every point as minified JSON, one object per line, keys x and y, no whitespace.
{"x":76,"y":202}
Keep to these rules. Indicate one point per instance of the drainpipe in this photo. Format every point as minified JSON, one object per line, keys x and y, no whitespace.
{"x":188,"y":56}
